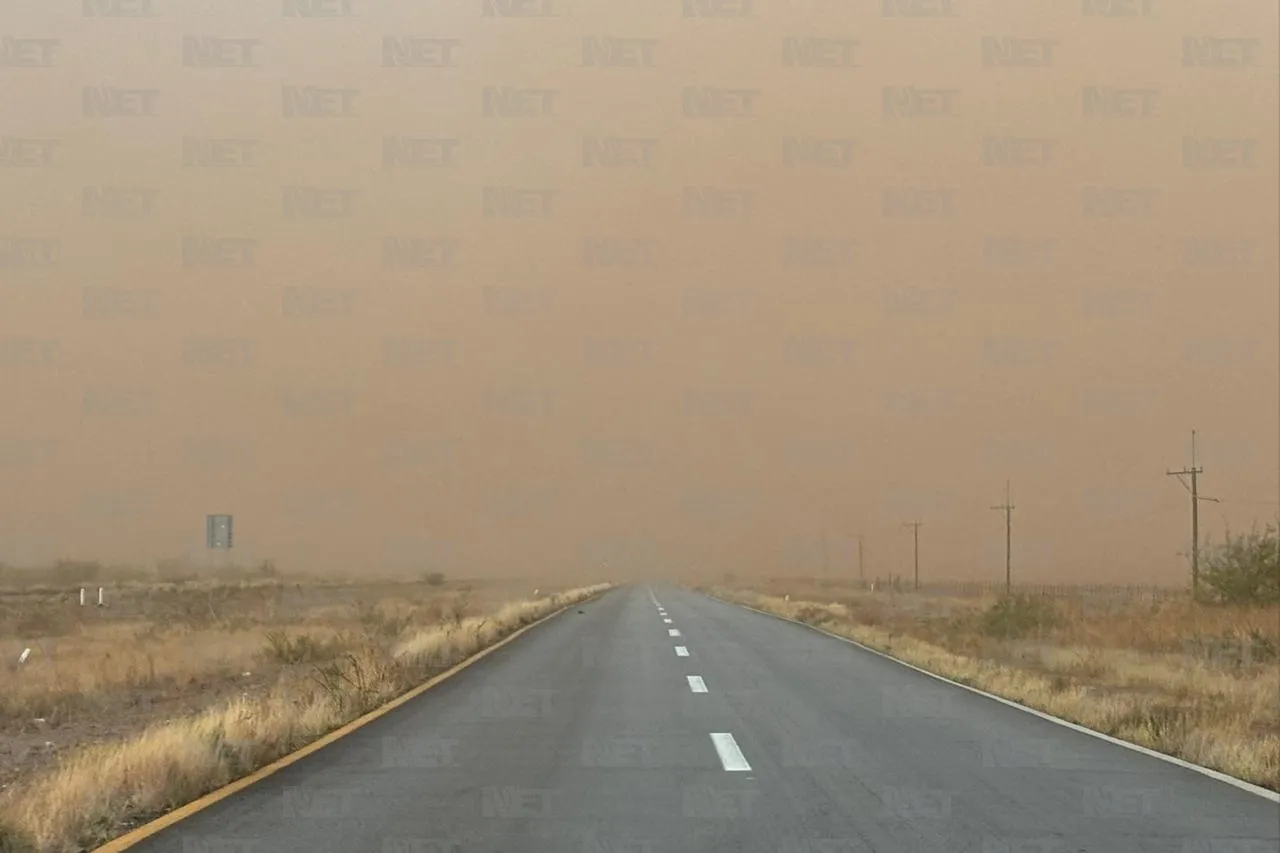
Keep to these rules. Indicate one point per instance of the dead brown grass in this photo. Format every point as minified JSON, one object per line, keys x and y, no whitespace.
{"x":168,"y":639}
{"x":1193,"y":681}
{"x":208,"y":687}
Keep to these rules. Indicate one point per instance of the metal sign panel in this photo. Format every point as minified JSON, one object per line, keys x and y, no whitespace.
{"x":218,"y":531}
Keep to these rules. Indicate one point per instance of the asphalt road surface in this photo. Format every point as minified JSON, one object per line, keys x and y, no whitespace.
{"x":661,"y":720}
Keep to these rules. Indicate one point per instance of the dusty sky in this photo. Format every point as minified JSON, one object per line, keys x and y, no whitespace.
{"x":526,"y":286}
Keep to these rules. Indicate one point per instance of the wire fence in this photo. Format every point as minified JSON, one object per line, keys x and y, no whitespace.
{"x":978,"y":589}
{"x":1128,"y":592}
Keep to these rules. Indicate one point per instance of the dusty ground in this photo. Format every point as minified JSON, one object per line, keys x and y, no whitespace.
{"x":1149,"y":666}
{"x":161,"y":651}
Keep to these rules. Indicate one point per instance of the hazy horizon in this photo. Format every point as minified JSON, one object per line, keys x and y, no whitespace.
{"x":706,"y":283}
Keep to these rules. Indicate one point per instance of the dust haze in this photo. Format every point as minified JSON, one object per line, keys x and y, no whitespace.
{"x":510,"y":287}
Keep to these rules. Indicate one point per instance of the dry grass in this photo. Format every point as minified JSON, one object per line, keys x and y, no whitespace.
{"x":227,"y":688}
{"x":165,"y":640}
{"x":1193,"y":681}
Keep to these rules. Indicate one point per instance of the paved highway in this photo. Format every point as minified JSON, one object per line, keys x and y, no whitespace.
{"x":661,"y":720}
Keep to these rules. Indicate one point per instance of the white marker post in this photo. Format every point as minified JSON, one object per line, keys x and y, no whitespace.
{"x":82,"y":596}
{"x":101,"y":602}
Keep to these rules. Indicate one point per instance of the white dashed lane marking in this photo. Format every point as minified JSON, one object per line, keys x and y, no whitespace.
{"x":673,"y":632}
{"x":682,"y":652}
{"x":696,"y":684}
{"x":730,"y":755}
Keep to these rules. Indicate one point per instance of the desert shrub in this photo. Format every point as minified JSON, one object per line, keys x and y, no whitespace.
{"x":45,"y":619}
{"x":434,"y":578}
{"x":379,"y":623}
{"x":283,"y":649}
{"x":13,"y":842}
{"x":460,"y":608}
{"x":1244,"y":568}
{"x":811,"y":614}
{"x":1230,"y":649}
{"x":1263,"y":648}
{"x":357,"y":683}
{"x":1018,"y":615}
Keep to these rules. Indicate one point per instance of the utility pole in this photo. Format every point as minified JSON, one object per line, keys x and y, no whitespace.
{"x":1007,"y":508}
{"x":915,"y":530}
{"x":1196,"y":497}
{"x":862,"y":574}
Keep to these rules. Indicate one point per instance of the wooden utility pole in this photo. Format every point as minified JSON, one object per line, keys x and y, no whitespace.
{"x":915,"y":530}
{"x":1007,"y":508}
{"x":1196,"y":497}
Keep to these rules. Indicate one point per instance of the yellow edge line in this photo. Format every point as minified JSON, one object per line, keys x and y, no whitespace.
{"x":136,"y":836}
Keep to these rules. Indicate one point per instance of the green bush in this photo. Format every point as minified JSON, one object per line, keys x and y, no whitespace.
{"x":1018,"y":615}
{"x":1245,"y":568}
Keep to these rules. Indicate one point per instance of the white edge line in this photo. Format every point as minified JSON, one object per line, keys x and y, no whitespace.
{"x":731,"y":757}
{"x":1274,"y":796}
